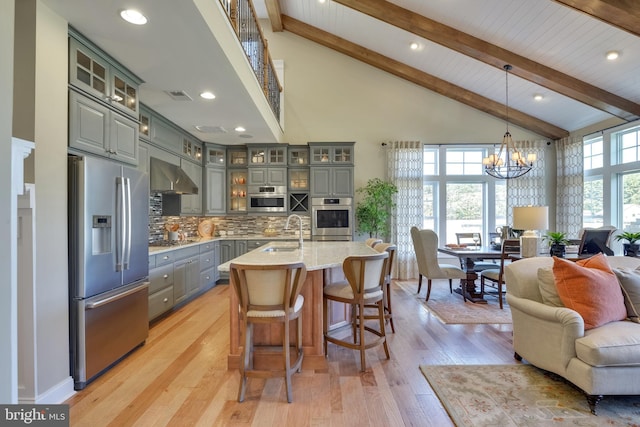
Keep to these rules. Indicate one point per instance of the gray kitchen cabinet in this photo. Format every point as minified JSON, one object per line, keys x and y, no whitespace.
{"x":97,"y":74}
{"x":336,"y":153}
{"x":254,"y":244}
{"x":237,"y":190}
{"x":215,"y":186}
{"x":97,"y":129}
{"x":186,"y":273}
{"x":192,"y":203}
{"x":144,"y":127}
{"x":143,"y":157}
{"x":161,"y":281}
{"x":331,"y":181}
{"x":165,"y":135}
{"x":267,"y":155}
{"x":276,"y":176}
{"x":191,"y":149}
{"x":242,"y":247}
{"x":227,"y":253}
{"x":209,"y":261}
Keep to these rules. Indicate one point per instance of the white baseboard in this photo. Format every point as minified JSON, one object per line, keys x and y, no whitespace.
{"x":55,"y":395}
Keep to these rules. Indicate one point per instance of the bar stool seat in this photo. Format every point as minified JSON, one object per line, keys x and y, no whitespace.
{"x":269,"y":294}
{"x":365,"y":277}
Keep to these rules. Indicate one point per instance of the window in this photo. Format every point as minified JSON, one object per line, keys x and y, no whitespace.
{"x":612,"y":179}
{"x":462,"y":198}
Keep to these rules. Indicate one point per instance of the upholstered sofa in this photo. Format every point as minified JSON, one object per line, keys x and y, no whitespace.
{"x":601,"y":360}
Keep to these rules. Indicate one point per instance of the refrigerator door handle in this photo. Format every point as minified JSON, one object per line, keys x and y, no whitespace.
{"x":126,"y":256}
{"x":116,"y":297}
{"x":120,"y":223}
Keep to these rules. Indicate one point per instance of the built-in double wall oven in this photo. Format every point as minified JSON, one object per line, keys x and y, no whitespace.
{"x":332,"y":218}
{"x":267,"y":199}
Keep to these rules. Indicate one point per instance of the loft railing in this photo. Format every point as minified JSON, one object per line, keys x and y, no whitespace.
{"x":243,"y":17}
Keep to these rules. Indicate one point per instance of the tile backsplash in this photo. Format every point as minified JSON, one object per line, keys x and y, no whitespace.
{"x":236,"y":225}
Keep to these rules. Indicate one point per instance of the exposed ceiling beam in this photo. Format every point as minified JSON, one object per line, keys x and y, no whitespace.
{"x":624,"y":14}
{"x":421,"y":78}
{"x":273,"y":10}
{"x":496,"y":56}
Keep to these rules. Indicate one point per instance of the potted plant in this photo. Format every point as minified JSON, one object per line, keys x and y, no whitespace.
{"x":631,"y":248}
{"x":374,"y":210}
{"x":557,"y":243}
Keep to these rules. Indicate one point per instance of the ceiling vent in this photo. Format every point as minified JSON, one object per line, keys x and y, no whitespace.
{"x":211,"y":129}
{"x":179,"y":95}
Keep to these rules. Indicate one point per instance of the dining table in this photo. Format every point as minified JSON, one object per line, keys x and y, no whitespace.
{"x":468,"y":255}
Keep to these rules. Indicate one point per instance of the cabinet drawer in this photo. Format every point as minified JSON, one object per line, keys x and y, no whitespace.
{"x":165,"y":258}
{"x":160,"y":278}
{"x":206,"y":261}
{"x":187,"y":252}
{"x":160,"y":302}
{"x":206,"y":247}
{"x":152,"y":262}
{"x":253,"y":244}
{"x":207,"y":277}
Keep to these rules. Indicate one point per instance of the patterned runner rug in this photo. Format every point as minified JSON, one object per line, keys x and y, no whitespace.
{"x":522,"y":395}
{"x":451,"y":309}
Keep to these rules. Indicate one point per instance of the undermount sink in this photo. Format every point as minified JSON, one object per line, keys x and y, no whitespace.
{"x":280,"y":249}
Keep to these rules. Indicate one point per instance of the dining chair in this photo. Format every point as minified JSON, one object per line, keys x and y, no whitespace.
{"x":425,"y":245}
{"x":365,"y":276}
{"x":372,"y":241}
{"x":467,"y":239}
{"x":509,"y":247}
{"x":386,"y":297}
{"x":269,"y":294}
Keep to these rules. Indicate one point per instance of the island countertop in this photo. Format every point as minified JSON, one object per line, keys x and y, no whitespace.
{"x":315,"y":255}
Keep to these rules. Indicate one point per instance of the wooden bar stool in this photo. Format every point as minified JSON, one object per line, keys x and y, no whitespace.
{"x":372,"y":241}
{"x":391,"y":250}
{"x":269,"y":294}
{"x":365,"y":277}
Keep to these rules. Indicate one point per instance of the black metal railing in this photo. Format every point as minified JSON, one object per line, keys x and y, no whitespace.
{"x":243,"y":18}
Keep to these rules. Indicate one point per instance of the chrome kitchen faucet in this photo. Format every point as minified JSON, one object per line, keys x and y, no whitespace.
{"x":286,"y":227}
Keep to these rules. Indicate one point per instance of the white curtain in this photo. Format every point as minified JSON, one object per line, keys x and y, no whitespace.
{"x":570,"y":189}
{"x":529,"y":189}
{"x":404,"y":169}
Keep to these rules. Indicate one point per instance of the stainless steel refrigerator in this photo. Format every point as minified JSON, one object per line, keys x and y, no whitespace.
{"x":108,"y":263}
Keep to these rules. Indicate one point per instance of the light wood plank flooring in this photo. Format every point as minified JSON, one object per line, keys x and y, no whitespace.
{"x":180,"y":377}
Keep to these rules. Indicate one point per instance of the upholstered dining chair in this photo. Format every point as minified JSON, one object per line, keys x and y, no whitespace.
{"x":425,"y":245}
{"x":496,"y":275}
{"x":269,"y":294}
{"x":386,"y":298}
{"x":372,"y":241}
{"x":365,"y":277}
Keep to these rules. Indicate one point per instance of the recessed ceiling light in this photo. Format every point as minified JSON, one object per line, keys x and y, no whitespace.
{"x":538,"y":97}
{"x":207,"y":95}
{"x":133,"y":16}
{"x":321,"y":1}
{"x":240,"y":129}
{"x":414,"y":46}
{"x":613,"y":55}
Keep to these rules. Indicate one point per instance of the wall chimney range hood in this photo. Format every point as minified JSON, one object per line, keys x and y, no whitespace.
{"x":165,"y":177}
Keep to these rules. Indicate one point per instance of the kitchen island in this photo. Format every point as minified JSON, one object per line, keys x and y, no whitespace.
{"x":324,"y":265}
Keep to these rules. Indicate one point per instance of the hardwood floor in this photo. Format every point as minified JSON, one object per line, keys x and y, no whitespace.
{"x":180,"y":377}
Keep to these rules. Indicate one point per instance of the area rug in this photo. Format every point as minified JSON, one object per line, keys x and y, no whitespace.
{"x":451,"y":309}
{"x":522,"y":395}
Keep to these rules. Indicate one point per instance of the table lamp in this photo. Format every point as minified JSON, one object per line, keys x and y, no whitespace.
{"x":531,"y":219}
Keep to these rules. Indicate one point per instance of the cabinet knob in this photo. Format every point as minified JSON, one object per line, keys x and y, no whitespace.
{"x":165,"y":300}
{"x":206,"y":260}
{"x":165,"y":276}
{"x":207,"y":277}
{"x":165,"y":257}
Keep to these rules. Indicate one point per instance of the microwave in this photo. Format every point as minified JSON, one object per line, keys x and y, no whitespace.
{"x":267,"y":199}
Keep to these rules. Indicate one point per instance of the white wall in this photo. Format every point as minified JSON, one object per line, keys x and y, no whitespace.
{"x":8,"y":296}
{"x":332,"y":97}
{"x":43,"y":117}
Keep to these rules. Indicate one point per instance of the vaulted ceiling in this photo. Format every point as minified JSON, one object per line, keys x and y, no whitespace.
{"x":556,"y":49}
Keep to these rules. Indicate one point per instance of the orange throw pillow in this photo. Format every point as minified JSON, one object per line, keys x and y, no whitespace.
{"x":591,"y":288}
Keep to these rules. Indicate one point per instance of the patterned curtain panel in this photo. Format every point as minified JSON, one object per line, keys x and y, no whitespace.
{"x":570,"y":185}
{"x":528,"y":190}
{"x":404,"y":169}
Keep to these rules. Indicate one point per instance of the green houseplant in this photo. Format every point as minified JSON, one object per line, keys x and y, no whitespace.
{"x":374,"y":210}
{"x":631,"y":248}
{"x":557,"y":243}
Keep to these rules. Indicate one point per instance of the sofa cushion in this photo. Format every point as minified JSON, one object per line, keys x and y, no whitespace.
{"x":630,"y":284}
{"x":613,"y":344}
{"x":590,"y":287}
{"x":548,"y":289}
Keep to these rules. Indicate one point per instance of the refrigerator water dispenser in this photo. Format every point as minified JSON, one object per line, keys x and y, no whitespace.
{"x":101,"y":234}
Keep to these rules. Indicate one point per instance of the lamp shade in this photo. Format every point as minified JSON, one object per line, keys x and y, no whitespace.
{"x":531,"y":217}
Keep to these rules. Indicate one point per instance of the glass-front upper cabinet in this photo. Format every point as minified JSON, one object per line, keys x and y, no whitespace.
{"x":215,"y":155}
{"x":237,"y":157}
{"x":298,"y":155}
{"x":97,"y":74}
{"x":261,"y":155}
{"x":331,"y":153}
{"x":144,"y":130}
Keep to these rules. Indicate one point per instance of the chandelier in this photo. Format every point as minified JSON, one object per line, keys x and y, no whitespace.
{"x":508,"y":162}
